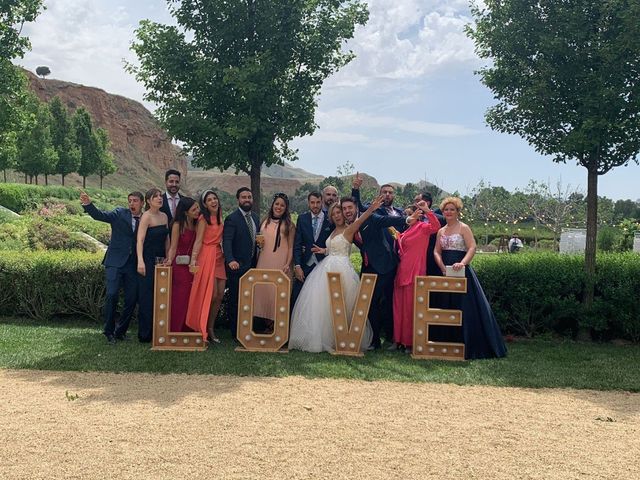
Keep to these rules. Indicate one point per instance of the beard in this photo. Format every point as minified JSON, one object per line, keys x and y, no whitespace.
{"x":246,"y":207}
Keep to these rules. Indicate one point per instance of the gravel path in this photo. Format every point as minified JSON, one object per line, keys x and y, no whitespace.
{"x":139,"y":426}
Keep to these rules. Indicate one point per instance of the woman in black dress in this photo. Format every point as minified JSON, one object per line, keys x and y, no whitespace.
{"x":455,"y":247}
{"x":152,"y":244}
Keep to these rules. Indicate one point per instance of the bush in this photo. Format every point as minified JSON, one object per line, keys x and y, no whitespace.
{"x":23,"y":198}
{"x":44,"y":235}
{"x":530,"y":294}
{"x":43,"y":284}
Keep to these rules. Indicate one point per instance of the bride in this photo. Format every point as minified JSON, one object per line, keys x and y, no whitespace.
{"x":311,"y":322}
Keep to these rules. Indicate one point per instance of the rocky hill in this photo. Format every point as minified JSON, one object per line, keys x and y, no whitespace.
{"x":142,"y":149}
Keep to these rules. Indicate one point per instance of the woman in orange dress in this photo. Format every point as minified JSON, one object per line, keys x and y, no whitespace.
{"x":209,"y":280}
{"x":276,"y":253}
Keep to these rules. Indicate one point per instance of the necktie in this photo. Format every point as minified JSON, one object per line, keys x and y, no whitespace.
{"x":172,"y":201}
{"x":250,"y":226}
{"x":137,"y":222}
{"x":314,"y":225}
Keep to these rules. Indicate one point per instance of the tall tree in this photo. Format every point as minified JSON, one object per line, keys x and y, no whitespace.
{"x":237,"y":80}
{"x":36,"y":155}
{"x":106,"y":165}
{"x":566,"y":75}
{"x":13,"y":90}
{"x":63,"y":139}
{"x":87,"y":142}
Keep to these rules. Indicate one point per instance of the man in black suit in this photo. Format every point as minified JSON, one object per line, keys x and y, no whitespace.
{"x":379,"y":257}
{"x":120,"y":261}
{"x":239,"y":245}
{"x":171,"y":197}
{"x":313,"y":228}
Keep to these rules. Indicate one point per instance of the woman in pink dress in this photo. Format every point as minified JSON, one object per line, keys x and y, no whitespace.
{"x":210,"y":277}
{"x":276,"y":252}
{"x":183,"y":235}
{"x":412,"y":250}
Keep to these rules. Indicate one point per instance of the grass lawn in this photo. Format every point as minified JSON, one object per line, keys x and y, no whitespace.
{"x":79,"y":345}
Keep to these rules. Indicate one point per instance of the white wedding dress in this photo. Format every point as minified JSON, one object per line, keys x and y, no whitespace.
{"x":311,"y":323}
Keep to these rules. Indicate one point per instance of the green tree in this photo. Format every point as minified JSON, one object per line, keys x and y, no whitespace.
{"x":36,"y":155}
{"x":566,"y":75}
{"x":8,"y":151}
{"x":43,"y":71}
{"x":87,"y":142}
{"x":63,"y":139}
{"x":237,"y":80}
{"x":106,"y":165}
{"x":13,"y":90}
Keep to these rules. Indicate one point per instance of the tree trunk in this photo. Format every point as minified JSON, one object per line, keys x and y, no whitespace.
{"x":36,"y":179}
{"x":101,"y":177}
{"x":5,"y":175}
{"x":254,"y":174}
{"x":590,"y":249}
{"x":46,"y":179}
{"x":62,"y":180}
{"x":84,"y":182}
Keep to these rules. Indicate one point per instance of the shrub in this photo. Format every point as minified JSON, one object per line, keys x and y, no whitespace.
{"x":42,"y":284}
{"x":44,"y":235}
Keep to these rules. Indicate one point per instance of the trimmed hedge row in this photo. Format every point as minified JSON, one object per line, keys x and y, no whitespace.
{"x":530,"y":293}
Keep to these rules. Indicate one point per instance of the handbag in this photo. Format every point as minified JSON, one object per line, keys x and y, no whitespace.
{"x":183,"y":259}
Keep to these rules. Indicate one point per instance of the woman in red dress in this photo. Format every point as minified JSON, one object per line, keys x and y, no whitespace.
{"x":412,"y":250}
{"x":210,"y":277}
{"x":183,"y":236}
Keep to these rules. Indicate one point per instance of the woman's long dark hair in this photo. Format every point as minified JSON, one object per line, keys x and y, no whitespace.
{"x":205,"y":211}
{"x":149,"y":195}
{"x":181,"y":217}
{"x":284,"y":220}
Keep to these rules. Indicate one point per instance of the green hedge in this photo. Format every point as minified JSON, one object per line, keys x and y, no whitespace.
{"x":530,"y":294}
{"x":43,"y":284}
{"x":22,"y":198}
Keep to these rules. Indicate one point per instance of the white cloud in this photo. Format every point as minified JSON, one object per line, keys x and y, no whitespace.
{"x":344,"y":118}
{"x":346,"y":138}
{"x":408,"y":39}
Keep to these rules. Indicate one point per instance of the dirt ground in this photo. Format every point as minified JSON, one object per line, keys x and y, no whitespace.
{"x":137,"y":426}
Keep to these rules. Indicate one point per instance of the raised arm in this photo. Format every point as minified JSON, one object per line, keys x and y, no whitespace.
{"x":351,"y":230}
{"x":94,"y":212}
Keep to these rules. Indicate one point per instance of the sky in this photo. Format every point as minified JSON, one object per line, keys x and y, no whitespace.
{"x":409,"y":107}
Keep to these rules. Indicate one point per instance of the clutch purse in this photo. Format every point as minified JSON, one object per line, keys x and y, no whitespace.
{"x":450,"y":272}
{"x":183,"y":259}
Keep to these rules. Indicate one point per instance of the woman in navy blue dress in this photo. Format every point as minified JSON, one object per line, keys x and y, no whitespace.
{"x":455,"y":247}
{"x":152,"y":243}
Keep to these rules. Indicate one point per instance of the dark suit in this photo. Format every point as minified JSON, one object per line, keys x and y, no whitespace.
{"x":302,"y":247}
{"x":165,"y":207}
{"x":238,"y":246}
{"x":379,"y":257}
{"x":120,"y":264}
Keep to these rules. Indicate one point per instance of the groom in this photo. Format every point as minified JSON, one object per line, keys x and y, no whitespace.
{"x":378,"y":257}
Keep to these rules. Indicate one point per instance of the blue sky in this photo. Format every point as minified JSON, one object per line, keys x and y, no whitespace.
{"x":409,"y":107}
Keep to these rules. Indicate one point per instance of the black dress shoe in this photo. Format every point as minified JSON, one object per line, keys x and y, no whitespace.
{"x":122,"y":337}
{"x":111,"y":340}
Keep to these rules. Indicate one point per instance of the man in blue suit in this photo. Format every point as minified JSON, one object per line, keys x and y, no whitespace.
{"x":119,"y":262}
{"x":239,"y":246}
{"x":313,"y":228}
{"x":379,"y":257}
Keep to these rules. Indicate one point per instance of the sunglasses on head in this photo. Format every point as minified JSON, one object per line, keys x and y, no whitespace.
{"x":281,"y":195}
